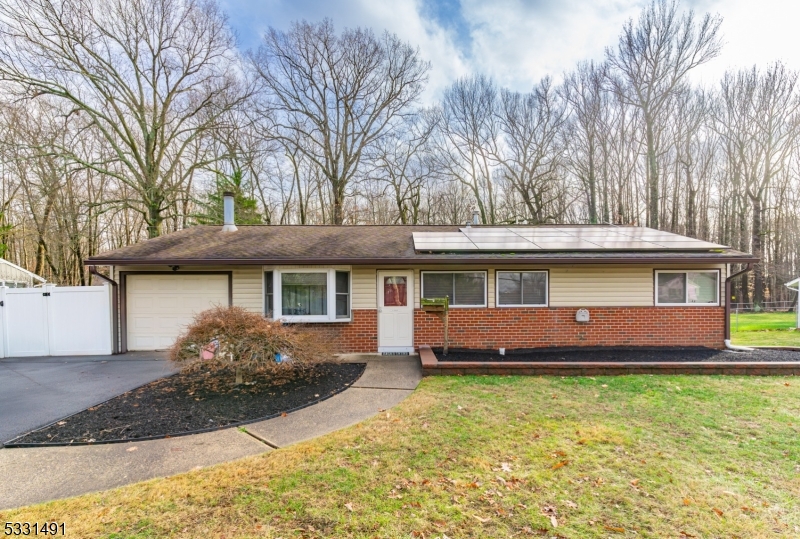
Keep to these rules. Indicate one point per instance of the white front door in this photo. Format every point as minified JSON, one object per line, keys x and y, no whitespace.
{"x":396,"y":311}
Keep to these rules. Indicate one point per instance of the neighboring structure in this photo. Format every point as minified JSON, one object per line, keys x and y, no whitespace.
{"x":510,"y":287}
{"x":795,"y":285}
{"x":14,"y":276}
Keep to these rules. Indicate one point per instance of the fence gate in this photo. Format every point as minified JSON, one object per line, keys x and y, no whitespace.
{"x":55,"y":321}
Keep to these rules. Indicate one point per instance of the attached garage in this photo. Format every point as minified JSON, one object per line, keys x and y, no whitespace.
{"x":159,"y":306}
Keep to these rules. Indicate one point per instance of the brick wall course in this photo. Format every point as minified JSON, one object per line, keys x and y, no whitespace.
{"x":556,"y":326}
{"x":543,"y":327}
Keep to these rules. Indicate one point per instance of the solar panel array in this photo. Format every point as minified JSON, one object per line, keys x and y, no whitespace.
{"x":579,"y":238}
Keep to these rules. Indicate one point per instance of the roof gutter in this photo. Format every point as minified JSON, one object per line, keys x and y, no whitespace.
{"x":728,"y":283}
{"x":114,"y":307}
{"x":499,"y":260}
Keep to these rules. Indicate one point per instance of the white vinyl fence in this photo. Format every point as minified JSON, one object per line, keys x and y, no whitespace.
{"x":55,"y":321}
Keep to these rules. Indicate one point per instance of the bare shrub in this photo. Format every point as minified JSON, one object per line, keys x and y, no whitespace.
{"x":231,"y":336}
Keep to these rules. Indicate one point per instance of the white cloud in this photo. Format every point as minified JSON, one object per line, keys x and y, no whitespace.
{"x":755,"y":33}
{"x":402,"y":17}
{"x":436,"y":45}
{"x":518,"y":42}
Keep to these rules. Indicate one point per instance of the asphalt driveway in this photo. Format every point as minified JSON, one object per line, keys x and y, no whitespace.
{"x":36,"y":391}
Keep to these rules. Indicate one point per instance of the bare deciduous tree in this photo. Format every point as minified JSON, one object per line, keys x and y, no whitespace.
{"x":402,"y":161}
{"x":650,"y":63}
{"x":151,"y":76}
{"x":531,"y":153}
{"x":583,"y":90}
{"x":763,"y":124}
{"x":340,"y":93}
{"x":468,"y":139}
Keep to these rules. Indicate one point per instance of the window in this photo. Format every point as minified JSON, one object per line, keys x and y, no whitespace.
{"x":342,"y":294}
{"x":521,"y":288}
{"x":306,"y":295}
{"x":14,"y":284}
{"x":269,"y":294}
{"x":464,"y":288}
{"x":687,"y":287}
{"x":395,"y":292}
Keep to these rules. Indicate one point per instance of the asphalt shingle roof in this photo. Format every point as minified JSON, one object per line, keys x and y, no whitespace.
{"x":362,"y":244}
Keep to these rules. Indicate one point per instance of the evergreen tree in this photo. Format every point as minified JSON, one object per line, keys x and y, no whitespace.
{"x":211,"y":205}
{"x":5,"y":228}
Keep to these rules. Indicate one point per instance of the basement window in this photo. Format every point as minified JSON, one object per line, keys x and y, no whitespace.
{"x":687,"y":288}
{"x":307,"y":295}
{"x":464,"y":288}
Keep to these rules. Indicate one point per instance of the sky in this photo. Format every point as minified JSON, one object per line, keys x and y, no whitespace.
{"x":517,"y":42}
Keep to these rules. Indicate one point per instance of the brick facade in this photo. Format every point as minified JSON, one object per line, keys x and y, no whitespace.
{"x":359,"y":335}
{"x":540,"y":327}
{"x":556,"y":326}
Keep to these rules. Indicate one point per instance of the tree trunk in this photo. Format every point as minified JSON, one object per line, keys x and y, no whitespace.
{"x":691,"y":219}
{"x":758,"y":251}
{"x":592,"y":189}
{"x":653,"y":179}
{"x":338,"y":207}
{"x":154,"y":219}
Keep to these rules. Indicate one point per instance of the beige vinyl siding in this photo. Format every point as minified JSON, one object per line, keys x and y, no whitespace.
{"x":601,"y":287}
{"x":365,"y":288}
{"x":248,"y":288}
{"x":490,"y":288}
{"x":417,"y":288}
{"x":570,"y":286}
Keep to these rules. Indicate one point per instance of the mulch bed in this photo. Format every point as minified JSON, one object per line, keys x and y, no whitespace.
{"x":628,"y":355}
{"x":196,"y":401}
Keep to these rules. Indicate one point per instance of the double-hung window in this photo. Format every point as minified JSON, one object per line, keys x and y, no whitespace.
{"x":687,"y":287}
{"x":307,"y":295}
{"x":521,"y":288}
{"x":463,"y":288}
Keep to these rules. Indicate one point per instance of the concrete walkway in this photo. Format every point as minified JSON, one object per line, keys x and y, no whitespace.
{"x":34,"y":475}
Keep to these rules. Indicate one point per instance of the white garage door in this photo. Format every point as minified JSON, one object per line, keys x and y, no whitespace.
{"x":159,"y":307}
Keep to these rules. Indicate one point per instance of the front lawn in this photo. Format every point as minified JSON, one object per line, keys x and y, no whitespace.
{"x":467,"y":456}
{"x":764,"y":329}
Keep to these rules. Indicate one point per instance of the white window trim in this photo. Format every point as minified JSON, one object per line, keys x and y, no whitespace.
{"x":277,"y":295}
{"x":514,"y":305}
{"x":655,"y":287}
{"x":485,"y":286}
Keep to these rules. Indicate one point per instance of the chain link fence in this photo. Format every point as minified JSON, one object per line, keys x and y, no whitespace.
{"x":767,"y":306}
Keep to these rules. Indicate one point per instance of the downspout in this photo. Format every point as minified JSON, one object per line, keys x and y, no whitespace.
{"x":728,"y":283}
{"x":114,"y":307}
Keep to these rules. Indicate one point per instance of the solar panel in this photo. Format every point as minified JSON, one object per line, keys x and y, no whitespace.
{"x":548,"y":238}
{"x":630,"y":245}
{"x":507,"y":245}
{"x":534,"y":237}
{"x":572,"y":244}
{"x":445,"y":246}
{"x":539,"y":231}
{"x":683,"y":244}
{"x":482,"y":232}
{"x":597,"y":234}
